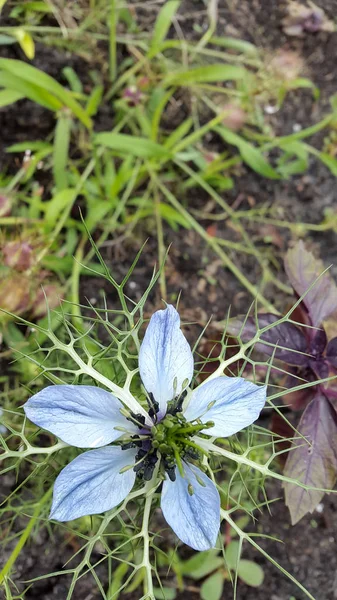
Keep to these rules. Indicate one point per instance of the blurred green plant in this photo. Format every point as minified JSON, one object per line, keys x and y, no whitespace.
{"x":155,"y":156}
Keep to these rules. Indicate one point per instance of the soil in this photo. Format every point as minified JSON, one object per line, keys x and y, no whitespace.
{"x":308,"y":549}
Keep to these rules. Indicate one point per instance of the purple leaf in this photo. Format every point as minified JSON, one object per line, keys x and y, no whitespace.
{"x":313,"y":463}
{"x":331,"y":352}
{"x":320,"y":367}
{"x":286,"y":340}
{"x":303,"y":269}
{"x":318,"y":343}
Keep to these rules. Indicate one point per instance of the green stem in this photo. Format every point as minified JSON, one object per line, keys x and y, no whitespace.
{"x":75,"y":286}
{"x":241,"y":459}
{"x":148,"y":583}
{"x":113,"y":40}
{"x":33,"y":450}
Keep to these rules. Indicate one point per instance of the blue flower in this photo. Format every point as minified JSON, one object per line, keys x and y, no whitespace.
{"x":89,"y":417}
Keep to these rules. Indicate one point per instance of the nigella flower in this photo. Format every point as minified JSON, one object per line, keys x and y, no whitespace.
{"x":161,"y":444}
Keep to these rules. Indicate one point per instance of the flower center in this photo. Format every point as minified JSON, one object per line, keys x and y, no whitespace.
{"x":170,"y":442}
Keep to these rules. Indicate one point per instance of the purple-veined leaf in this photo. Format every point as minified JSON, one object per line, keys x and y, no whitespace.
{"x":313,"y":463}
{"x":287,"y":342}
{"x":303,"y":269}
{"x":331,"y":352}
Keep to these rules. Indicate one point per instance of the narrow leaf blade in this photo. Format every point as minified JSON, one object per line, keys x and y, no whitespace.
{"x":162,"y":25}
{"x":209,"y":74}
{"x":251,"y":155}
{"x":136,"y":146}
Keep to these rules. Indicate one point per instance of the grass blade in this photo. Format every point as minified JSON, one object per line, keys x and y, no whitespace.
{"x":162,"y":25}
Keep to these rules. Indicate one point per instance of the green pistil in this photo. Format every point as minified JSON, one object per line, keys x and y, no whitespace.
{"x":178,"y":459}
{"x":195,"y":446}
{"x":172,"y":439}
{"x":193,"y":429}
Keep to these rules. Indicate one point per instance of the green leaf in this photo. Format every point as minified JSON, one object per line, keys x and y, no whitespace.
{"x":6,"y":39}
{"x":212,"y":588}
{"x":211,"y":73}
{"x":170,"y":214}
{"x":29,"y":90}
{"x":287,"y":165}
{"x":303,"y":82}
{"x":61,"y":150}
{"x":31,"y":75}
{"x":251,"y":573}
{"x":234,"y":44}
{"x":201,"y":564}
{"x":38,"y":7}
{"x":328,"y":161}
{"x":115,"y":586}
{"x":94,"y":100}
{"x":232,"y":553}
{"x":29,"y":145}
{"x":136,"y":146}
{"x":162,"y":25}
{"x":312,"y":460}
{"x":164,"y":593}
{"x":57,"y":205}
{"x":249,"y":153}
{"x":179,"y":133}
{"x":9,"y":97}
{"x":73,"y":79}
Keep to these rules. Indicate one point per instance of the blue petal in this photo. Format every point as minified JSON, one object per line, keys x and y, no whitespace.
{"x":165,"y":358}
{"x":232,"y":403}
{"x":80,"y":415}
{"x":195,"y":518}
{"x":92,"y":483}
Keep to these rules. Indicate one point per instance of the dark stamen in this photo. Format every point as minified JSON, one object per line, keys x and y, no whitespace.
{"x":171,"y":471}
{"x":145,"y":463}
{"x":148,"y":472}
{"x":137,"y":419}
{"x":193,"y":454}
{"x":153,"y":405}
{"x":177,"y":403}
